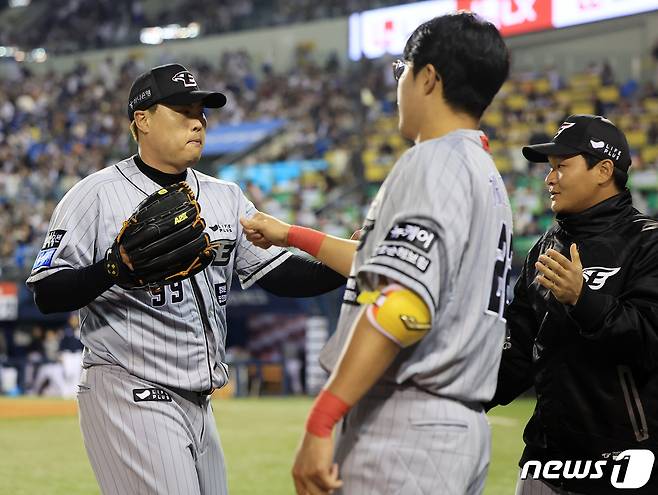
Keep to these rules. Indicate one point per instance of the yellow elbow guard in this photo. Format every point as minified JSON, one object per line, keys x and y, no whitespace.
{"x":398,"y":313}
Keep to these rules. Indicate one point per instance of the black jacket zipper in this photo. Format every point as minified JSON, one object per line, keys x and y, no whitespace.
{"x":633,"y":403}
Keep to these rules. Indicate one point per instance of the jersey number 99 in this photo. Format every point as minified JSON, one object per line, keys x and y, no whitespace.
{"x":175,"y":290}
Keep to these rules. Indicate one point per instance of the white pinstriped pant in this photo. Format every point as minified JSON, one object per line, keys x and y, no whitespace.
{"x":404,"y":441}
{"x":148,"y":448}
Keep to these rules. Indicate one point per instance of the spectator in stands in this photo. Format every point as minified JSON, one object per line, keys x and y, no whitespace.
{"x":78,"y":25}
{"x":52,"y":134}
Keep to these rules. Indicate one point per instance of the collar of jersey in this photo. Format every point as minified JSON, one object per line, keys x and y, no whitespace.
{"x":600,"y":217}
{"x":161,"y":178}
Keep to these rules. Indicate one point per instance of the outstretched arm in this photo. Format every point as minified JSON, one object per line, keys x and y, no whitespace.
{"x":300,"y":276}
{"x":264,"y":231}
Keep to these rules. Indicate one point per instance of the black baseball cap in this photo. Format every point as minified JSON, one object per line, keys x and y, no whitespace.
{"x":584,"y":133}
{"x":173,"y":84}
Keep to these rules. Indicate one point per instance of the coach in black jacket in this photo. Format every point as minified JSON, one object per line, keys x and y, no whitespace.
{"x":583,"y":324}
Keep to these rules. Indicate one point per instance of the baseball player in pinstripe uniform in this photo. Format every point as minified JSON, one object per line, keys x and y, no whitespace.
{"x":151,"y":360}
{"x":418,"y":341}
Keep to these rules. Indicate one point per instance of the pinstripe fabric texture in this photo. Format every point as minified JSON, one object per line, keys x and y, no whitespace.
{"x":159,"y":338}
{"x":135,"y":339}
{"x":404,"y":441}
{"x":163,"y":448}
{"x":440,"y":225}
{"x":449,"y":189}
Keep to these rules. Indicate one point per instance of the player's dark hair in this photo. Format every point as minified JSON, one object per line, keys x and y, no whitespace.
{"x":469,"y":56}
{"x":619,"y":177}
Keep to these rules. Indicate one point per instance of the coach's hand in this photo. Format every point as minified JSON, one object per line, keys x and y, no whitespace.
{"x":314,"y":471}
{"x":264,"y":230}
{"x":563,"y":277}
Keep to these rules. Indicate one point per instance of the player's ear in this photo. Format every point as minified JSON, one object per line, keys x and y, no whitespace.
{"x":430,"y":78}
{"x":606,"y":170}
{"x":142,"y":121}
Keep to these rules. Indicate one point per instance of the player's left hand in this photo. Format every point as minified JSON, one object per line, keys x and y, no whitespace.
{"x":314,"y":471}
{"x":563,"y":277}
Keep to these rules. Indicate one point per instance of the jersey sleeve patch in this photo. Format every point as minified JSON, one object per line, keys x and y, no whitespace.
{"x":416,"y":235}
{"x":44,"y":258}
{"x":53,"y":239}
{"x":403,"y":253}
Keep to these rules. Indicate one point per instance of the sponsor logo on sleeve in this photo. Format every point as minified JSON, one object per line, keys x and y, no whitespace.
{"x":417,"y":235}
{"x":53,"y":239}
{"x":44,"y":258}
{"x":403,"y":253}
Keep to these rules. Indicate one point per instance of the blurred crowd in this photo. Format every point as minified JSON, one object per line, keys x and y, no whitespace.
{"x":38,"y":360}
{"x":56,"y":129}
{"x":118,"y":22}
{"x":45,"y":360}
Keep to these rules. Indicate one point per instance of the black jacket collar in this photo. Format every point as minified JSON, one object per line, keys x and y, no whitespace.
{"x":599,"y":217}
{"x":163,"y":179}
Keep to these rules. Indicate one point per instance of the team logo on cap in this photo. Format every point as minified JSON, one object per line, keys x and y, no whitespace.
{"x":186,"y":78}
{"x":564,"y":127}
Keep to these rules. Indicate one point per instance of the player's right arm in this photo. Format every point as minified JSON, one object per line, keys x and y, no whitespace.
{"x":66,"y":276}
{"x":264,"y":231}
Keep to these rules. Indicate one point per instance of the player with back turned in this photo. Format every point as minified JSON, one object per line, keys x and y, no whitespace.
{"x":420,"y":333}
{"x":152,"y":358}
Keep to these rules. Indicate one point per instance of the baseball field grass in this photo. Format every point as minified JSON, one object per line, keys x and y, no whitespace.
{"x":41,"y":450}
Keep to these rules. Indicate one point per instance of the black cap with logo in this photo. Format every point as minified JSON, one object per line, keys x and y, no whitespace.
{"x":173,"y":84}
{"x":583,"y":133}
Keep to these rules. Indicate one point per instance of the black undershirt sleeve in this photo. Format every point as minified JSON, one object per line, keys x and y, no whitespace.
{"x":301,"y":277}
{"x":71,"y":289}
{"x":295,"y":277}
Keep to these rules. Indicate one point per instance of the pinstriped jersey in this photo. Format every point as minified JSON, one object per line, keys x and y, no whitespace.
{"x":440,"y":225}
{"x":176,"y":337}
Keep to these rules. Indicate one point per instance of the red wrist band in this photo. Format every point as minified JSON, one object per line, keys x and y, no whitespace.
{"x":327,"y":410}
{"x":308,"y":240}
